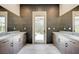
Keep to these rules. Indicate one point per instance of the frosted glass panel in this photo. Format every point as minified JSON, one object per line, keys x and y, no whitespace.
{"x":39,"y":29}
{"x":2,"y":24}
{"x":76,"y":23}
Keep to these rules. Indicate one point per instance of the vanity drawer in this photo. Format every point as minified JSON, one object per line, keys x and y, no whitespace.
{"x":75,"y":42}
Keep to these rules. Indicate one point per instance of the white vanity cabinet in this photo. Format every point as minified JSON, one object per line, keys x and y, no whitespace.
{"x":5,"y":46}
{"x":66,"y":43}
{"x":18,"y":42}
{"x":13,"y":43}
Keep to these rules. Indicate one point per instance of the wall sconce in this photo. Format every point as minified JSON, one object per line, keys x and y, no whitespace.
{"x":24,"y":28}
{"x":49,"y":28}
{"x":54,"y":28}
{"x":69,"y":28}
{"x":64,"y":28}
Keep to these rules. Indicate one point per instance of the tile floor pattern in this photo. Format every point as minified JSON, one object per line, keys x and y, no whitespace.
{"x":39,"y":49}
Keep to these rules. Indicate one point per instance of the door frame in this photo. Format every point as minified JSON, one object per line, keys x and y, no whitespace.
{"x":36,"y":13}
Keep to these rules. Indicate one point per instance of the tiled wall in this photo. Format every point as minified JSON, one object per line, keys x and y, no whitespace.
{"x":25,"y":20}
{"x":66,"y":20}
{"x":53,"y":19}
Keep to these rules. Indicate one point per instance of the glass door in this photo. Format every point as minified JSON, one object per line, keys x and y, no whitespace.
{"x":2,"y":24}
{"x":76,"y":23}
{"x":39,"y":29}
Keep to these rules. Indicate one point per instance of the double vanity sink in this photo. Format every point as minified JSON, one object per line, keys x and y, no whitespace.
{"x":12,"y":42}
{"x":66,"y":42}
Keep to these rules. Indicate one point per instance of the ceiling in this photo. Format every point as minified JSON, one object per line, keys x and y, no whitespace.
{"x":15,"y":8}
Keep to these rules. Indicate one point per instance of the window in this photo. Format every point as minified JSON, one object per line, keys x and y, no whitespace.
{"x":76,"y":23}
{"x":2,"y":24}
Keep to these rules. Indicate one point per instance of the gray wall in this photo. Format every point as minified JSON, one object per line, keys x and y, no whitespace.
{"x":66,"y":19}
{"x":13,"y":20}
{"x":52,"y":18}
{"x":25,"y":20}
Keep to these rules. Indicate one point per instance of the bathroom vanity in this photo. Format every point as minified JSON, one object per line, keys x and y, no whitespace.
{"x":66,"y":42}
{"x":12,"y":42}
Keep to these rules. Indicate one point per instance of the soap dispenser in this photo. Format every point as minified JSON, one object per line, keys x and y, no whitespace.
{"x":14,"y":28}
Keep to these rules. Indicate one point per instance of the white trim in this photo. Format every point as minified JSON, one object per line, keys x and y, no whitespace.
{"x":42,"y":13}
{"x":73,"y":29}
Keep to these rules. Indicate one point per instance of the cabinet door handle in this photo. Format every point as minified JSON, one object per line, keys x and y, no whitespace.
{"x":66,"y":44}
{"x":4,"y":41}
{"x":73,"y":42}
{"x":11,"y":44}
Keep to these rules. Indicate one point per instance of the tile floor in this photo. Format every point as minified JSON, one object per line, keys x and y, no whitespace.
{"x":39,"y":49}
